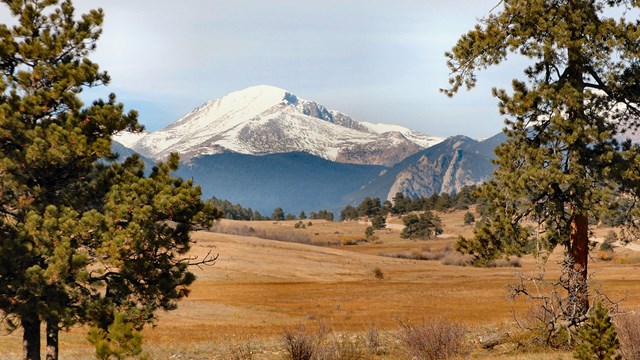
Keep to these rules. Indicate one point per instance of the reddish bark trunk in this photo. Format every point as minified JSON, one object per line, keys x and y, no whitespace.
{"x":579,"y":252}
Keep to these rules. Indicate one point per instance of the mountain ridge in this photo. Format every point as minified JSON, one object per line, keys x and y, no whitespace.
{"x":264,"y":147}
{"x":264,"y":120}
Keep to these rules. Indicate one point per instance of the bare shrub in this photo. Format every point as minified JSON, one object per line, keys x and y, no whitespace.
{"x":342,"y":347}
{"x":373,"y":341}
{"x":511,"y":262}
{"x":300,"y":344}
{"x":243,"y":230}
{"x":240,"y":351}
{"x":628,"y":328}
{"x":558,"y":306}
{"x":457,"y":259}
{"x":433,"y":340}
{"x":447,"y":256}
{"x":539,"y":330}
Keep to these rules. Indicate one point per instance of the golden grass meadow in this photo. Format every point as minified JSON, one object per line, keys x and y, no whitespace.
{"x":242,"y":305}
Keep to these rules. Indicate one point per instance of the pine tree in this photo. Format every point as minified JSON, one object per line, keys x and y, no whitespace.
{"x":81,"y":236}
{"x":400,"y":204}
{"x":562,"y":162}
{"x":597,"y":338}
{"x":278,"y":214}
{"x":421,"y":226}
{"x":379,"y":222}
{"x":469,"y":218}
{"x":349,"y":213}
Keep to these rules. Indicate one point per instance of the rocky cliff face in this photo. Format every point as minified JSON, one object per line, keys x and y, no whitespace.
{"x":446,"y":173}
{"x":447,"y":167}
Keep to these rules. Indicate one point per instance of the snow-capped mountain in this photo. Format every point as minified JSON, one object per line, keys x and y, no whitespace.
{"x":264,"y":120}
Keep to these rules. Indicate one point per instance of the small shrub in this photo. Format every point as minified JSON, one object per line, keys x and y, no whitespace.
{"x":342,"y":347}
{"x":457,"y":259}
{"x":433,"y":340}
{"x":368,"y":231}
{"x":606,"y":255}
{"x":300,"y":344}
{"x":469,"y":218}
{"x":606,"y":246}
{"x":372,"y":340}
{"x":510,"y":262}
{"x":597,"y":338}
{"x":119,"y":341}
{"x":446,"y":256}
{"x":351,"y":240}
{"x":377,"y":272}
{"x":628,"y":327}
{"x":240,"y":351}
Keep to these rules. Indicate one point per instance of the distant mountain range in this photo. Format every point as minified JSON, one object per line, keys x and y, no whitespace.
{"x":264,"y":147}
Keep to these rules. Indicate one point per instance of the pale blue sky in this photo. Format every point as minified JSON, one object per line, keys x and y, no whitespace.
{"x":378,"y":61}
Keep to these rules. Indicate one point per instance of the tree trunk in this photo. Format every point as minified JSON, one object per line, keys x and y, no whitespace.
{"x":579,"y":252}
{"x":30,"y":337}
{"x":52,"y":339}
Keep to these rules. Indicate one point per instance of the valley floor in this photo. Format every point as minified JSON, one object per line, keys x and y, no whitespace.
{"x":260,"y":287}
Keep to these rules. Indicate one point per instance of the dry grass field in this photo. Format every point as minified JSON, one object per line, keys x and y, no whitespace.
{"x":259,"y":287}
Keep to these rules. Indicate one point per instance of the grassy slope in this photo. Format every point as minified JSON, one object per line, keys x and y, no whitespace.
{"x":259,"y":287}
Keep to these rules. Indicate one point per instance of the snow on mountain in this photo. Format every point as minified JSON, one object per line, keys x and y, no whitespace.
{"x":417,"y":137}
{"x":128,"y":139}
{"x":265,"y":120}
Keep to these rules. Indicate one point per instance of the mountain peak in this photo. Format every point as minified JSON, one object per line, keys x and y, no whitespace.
{"x":266,"y":92}
{"x":265,"y":119}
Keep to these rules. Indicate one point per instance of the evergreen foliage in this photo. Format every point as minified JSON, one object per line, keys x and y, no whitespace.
{"x":378,"y":222}
{"x":120,"y":340}
{"x":597,"y":338}
{"x":235,"y":211}
{"x":321,"y":215}
{"x":369,"y":207}
{"x":349,"y":213}
{"x":278,"y":214}
{"x":562,"y":163}
{"x":469,"y":218}
{"x":368,"y":232}
{"x":421,"y":226}
{"x":402,"y":204}
{"x":82,"y":237}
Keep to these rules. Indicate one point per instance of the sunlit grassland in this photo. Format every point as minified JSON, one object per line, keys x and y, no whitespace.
{"x":259,"y":287}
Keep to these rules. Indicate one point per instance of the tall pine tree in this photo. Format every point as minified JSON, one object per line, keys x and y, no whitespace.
{"x":81,"y":236}
{"x":562,"y":163}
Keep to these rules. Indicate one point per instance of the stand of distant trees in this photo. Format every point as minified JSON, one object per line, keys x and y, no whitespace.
{"x":401,"y":204}
{"x":235,"y":211}
{"x":238,"y":212}
{"x":369,"y":207}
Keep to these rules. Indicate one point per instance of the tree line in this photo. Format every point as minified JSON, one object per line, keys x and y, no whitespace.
{"x":238,"y":212}
{"x":402,"y":204}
